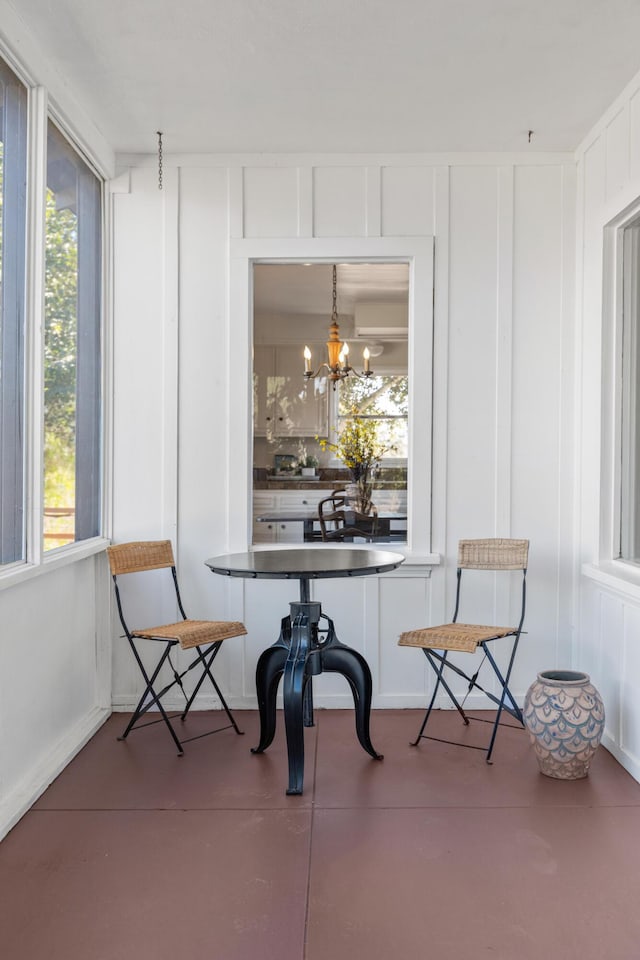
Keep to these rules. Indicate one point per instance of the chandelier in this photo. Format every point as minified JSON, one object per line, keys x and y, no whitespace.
{"x":338,"y":364}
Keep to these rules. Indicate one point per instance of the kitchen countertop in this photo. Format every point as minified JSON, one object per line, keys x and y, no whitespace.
{"x":302,"y":483}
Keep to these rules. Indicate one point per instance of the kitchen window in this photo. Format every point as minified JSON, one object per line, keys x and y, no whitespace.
{"x":383,"y":398}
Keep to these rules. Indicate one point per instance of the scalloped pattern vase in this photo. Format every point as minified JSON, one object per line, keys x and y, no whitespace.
{"x":564,"y":715}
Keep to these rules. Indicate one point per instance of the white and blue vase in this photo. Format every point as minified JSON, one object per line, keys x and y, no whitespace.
{"x":564,"y":715}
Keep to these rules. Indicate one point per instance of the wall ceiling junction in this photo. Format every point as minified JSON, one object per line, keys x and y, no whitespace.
{"x":341,"y":76}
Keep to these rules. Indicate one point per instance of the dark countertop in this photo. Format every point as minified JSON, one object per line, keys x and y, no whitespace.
{"x":321,"y":483}
{"x":390,"y":478}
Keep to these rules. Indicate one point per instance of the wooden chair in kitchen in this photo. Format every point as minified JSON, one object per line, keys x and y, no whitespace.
{"x":339,"y":521}
{"x":437,"y":643}
{"x":205,"y":637}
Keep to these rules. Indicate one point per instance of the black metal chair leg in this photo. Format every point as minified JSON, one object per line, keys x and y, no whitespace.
{"x":142,"y":708}
{"x":201,"y":658}
{"x":138,"y":712}
{"x":444,"y":662}
{"x":505,"y":692}
{"x":206,"y":664}
{"x":414,"y":743}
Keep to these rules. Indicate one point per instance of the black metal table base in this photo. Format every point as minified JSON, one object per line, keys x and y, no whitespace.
{"x":301,"y":652}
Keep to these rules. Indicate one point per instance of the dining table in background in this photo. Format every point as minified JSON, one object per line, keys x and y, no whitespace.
{"x":386,"y":520}
{"x":304,"y":649}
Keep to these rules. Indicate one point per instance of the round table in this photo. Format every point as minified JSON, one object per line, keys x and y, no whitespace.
{"x":303,"y":649}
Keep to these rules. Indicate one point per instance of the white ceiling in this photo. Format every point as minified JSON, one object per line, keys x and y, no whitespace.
{"x":297,"y":289}
{"x":341,"y":75}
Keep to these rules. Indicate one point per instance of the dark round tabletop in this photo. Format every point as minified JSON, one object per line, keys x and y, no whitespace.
{"x":312,"y":563}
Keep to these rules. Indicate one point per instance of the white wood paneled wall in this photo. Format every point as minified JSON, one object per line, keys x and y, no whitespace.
{"x":55,"y":683}
{"x":502,"y":384}
{"x":608,"y":594}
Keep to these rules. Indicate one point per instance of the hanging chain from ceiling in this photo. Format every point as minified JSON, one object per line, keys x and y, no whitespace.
{"x":159,"y":132}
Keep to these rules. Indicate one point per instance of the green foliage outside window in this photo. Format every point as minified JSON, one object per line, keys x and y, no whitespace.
{"x":383,"y":399}
{"x":60,"y":355}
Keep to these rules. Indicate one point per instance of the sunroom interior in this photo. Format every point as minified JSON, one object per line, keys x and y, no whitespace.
{"x":494,"y":154}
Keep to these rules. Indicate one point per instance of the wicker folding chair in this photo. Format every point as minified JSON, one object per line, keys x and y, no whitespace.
{"x":493,"y":555}
{"x":203,"y":636}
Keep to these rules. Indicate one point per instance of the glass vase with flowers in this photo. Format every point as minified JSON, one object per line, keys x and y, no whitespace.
{"x":361,"y":451}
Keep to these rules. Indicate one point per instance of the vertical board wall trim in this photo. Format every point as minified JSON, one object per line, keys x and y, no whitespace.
{"x":235,"y":182}
{"x":504,"y":352}
{"x":440,"y":433}
{"x":373,"y":202}
{"x":170,"y":353}
{"x":305,"y":202}
{"x":568,"y":519}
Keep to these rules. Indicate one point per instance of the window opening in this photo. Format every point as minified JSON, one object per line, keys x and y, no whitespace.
{"x":13,"y":187}
{"x":72,"y":349}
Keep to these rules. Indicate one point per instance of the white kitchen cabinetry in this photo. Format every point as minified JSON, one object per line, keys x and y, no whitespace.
{"x":285,"y":404}
{"x":300,"y":501}
{"x":281,"y":531}
{"x":390,"y":500}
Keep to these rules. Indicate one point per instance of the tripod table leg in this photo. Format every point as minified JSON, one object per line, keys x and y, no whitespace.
{"x":268,"y":672}
{"x":341,"y":659}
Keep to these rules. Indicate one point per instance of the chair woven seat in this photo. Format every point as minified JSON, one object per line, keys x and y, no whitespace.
{"x":453,"y":636}
{"x":193,"y":633}
{"x":202,"y":637}
{"x":489,"y":554}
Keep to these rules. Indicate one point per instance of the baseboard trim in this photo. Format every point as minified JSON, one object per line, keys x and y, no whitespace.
{"x":626,"y":760}
{"x":339,"y":701}
{"x":22,"y":797}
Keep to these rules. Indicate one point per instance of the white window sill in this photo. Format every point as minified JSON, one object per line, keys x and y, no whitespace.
{"x":62,"y":557}
{"x":617,"y":576}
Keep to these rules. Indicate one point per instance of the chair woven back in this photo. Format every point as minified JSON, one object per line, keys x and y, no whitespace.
{"x":493,"y":554}
{"x":140,"y":555}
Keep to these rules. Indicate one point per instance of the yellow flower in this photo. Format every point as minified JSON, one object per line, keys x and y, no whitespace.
{"x":357,"y":445}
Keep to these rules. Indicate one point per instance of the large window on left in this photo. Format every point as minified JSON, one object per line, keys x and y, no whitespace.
{"x":13,"y":190}
{"x":51,"y":362}
{"x":72,"y":354}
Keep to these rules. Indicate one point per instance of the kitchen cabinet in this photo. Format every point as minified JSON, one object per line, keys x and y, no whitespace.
{"x":284,"y":403}
{"x":281,"y":531}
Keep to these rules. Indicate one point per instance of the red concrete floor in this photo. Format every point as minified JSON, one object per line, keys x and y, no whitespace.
{"x":135,"y":854}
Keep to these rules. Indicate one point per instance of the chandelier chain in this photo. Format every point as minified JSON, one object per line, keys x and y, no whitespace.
{"x":334,"y":311}
{"x":159,"y":132}
{"x":338,"y":367}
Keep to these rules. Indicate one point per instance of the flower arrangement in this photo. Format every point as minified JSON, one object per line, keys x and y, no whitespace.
{"x":358,"y":446}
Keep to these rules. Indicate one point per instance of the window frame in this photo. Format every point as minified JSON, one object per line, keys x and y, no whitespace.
{"x":88,"y":394}
{"x":629,"y":395}
{"x":13,"y":479}
{"x":36,"y":562}
{"x":418,"y":253}
{"x":334,"y":420}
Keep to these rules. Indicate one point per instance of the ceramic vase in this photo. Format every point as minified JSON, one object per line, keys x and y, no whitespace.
{"x":564,"y":715}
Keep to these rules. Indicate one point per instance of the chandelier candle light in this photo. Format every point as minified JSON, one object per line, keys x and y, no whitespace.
{"x":338,"y":365}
